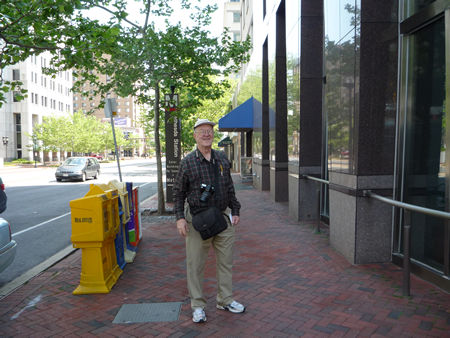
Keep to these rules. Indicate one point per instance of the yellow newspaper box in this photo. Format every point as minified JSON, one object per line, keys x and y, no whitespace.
{"x":92,"y":231}
{"x":123,"y":194}
{"x":90,"y":220}
{"x":112,"y":205}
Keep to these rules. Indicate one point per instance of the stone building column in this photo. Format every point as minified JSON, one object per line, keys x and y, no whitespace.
{"x":279,"y":166}
{"x":302,"y":196}
{"x":361,"y":227}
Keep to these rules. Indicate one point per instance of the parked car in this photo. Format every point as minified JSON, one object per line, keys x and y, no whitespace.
{"x":3,"y":197}
{"x":8,"y":246}
{"x":97,"y":156}
{"x":78,"y":168}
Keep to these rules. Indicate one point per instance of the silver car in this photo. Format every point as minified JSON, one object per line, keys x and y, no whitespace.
{"x":8,"y":246}
{"x":78,"y":168}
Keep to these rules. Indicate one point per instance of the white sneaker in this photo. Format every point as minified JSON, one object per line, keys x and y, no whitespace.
{"x":234,"y":307}
{"x":198,"y":316}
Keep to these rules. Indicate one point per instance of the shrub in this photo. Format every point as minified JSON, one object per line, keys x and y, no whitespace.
{"x":21,"y":161}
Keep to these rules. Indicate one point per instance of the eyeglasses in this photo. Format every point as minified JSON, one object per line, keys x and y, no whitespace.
{"x":205,"y":132}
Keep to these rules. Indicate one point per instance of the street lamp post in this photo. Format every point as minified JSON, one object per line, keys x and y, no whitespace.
{"x":5,"y":143}
{"x":34,"y":150}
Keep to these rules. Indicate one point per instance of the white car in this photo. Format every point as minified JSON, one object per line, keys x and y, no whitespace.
{"x":8,"y":246}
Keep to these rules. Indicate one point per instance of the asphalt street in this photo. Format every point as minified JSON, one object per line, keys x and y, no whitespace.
{"x":39,"y":211}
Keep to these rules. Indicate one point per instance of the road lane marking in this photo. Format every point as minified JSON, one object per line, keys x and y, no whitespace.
{"x":40,"y":224}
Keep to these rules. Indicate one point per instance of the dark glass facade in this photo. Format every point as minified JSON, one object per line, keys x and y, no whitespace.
{"x":293,"y":78}
{"x":425,"y":176}
{"x":252,"y":86}
{"x":411,"y":7}
{"x":381,"y":117}
{"x":342,"y":46}
{"x":423,"y":136}
{"x":272,"y":87}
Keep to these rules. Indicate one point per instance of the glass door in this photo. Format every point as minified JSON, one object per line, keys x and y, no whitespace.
{"x":424,"y":147}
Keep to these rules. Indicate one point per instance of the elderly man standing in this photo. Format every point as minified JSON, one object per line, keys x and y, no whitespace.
{"x":204,"y":178}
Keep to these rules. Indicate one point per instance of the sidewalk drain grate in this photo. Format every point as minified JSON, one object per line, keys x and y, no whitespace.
{"x":144,"y":313}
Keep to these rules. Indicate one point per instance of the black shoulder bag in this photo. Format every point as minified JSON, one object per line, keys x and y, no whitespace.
{"x":211,"y":221}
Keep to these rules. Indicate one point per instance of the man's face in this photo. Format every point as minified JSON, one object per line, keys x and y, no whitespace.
{"x":204,"y":135}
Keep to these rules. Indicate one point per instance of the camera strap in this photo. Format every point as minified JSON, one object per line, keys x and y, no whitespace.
{"x":213,"y":171}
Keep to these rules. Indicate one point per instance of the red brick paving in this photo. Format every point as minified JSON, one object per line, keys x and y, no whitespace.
{"x":292,"y":281}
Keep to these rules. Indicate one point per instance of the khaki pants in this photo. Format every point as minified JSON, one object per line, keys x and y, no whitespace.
{"x":196,"y":253}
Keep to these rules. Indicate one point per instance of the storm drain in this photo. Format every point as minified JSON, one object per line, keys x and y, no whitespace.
{"x":145,"y":313}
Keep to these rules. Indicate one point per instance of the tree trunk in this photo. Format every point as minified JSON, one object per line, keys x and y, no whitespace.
{"x":161,"y":201}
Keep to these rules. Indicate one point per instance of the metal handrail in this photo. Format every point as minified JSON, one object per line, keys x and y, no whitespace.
{"x":412,"y":207}
{"x":407,"y":230}
{"x":406,"y":224}
{"x":312,"y":178}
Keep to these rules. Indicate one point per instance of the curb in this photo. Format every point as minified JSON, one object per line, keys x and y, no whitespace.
{"x":10,"y":287}
{"x":19,"y":281}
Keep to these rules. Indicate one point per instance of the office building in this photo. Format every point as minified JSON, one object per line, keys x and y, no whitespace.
{"x":46,"y":96}
{"x":354,"y":93}
{"x":127,"y":119}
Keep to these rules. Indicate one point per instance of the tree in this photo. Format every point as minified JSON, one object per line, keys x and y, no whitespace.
{"x":140,"y":59}
{"x":77,"y":133}
{"x":212,"y":109}
{"x":143,"y":61}
{"x":30,"y":27}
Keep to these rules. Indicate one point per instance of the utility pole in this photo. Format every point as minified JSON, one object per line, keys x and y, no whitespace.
{"x":111,"y":112}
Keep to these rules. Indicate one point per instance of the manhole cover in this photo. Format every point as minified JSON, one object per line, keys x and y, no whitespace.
{"x":144,"y":313}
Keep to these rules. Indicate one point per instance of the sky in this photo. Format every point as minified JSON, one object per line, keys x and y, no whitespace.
{"x":216,"y":27}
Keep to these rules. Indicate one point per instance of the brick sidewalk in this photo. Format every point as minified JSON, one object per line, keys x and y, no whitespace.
{"x":292,"y":281}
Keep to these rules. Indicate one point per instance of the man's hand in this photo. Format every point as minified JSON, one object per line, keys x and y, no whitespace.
{"x":235,"y":220}
{"x":182,"y":227}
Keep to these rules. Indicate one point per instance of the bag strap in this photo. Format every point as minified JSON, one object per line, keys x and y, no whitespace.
{"x":216,"y":176}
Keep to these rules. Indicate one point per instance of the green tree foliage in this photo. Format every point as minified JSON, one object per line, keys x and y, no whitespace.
{"x":212,"y":109}
{"x":138,"y":58}
{"x":30,"y":27}
{"x":145,"y":61}
{"x":77,"y":133}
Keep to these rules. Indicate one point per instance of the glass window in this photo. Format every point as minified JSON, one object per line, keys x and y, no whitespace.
{"x":342,"y":29}
{"x":236,"y":17}
{"x":425,"y":172}
{"x":293,"y":78}
{"x":18,"y":129}
{"x":16,"y":74}
{"x":272,"y":88}
{"x":410,"y":7}
{"x":16,"y":95}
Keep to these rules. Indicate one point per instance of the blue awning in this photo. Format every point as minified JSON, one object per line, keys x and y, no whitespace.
{"x":241,"y":117}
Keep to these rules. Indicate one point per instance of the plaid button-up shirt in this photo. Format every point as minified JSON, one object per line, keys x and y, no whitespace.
{"x":194,"y":171}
